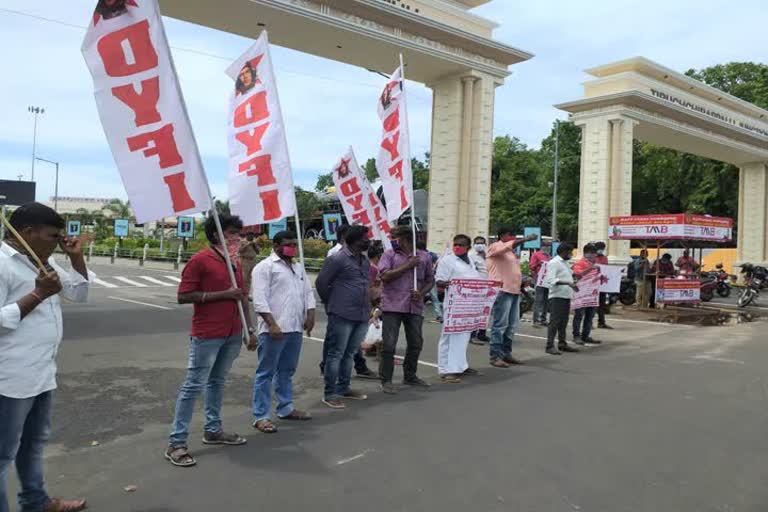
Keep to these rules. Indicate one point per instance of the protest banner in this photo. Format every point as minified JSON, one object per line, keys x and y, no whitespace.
{"x":142,"y":110}
{"x":394,"y":161}
{"x":541,"y":279}
{"x":260,"y":180}
{"x":678,"y":291}
{"x":361,"y":204}
{"x":588,"y":295}
{"x":611,"y":281}
{"x":671,"y":227}
{"x":468,"y":304}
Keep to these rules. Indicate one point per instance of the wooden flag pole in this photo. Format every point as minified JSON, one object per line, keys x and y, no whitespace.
{"x":23,"y":243}
{"x":404,"y":117}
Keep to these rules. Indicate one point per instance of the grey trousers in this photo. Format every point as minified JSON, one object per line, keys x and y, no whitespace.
{"x":390,"y":332}
{"x":540,"y":305}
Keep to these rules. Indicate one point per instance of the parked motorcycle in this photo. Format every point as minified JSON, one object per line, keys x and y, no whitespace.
{"x":628,"y":291}
{"x":723,"y":281}
{"x":708,"y":287}
{"x":756,"y":278}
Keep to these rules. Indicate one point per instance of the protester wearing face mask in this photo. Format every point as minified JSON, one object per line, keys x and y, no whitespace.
{"x":604,"y":306}
{"x":452,"y":348}
{"x":504,"y":266}
{"x":561,"y":287}
{"x":538,"y":261}
{"x":284,"y":300}
{"x":582,"y":317}
{"x":344,"y":287}
{"x":479,"y":248}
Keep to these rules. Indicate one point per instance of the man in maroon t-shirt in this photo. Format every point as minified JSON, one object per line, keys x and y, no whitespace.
{"x":215,"y":339}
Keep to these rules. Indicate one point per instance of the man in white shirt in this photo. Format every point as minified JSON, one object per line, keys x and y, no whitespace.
{"x":284,"y":300}
{"x":561,"y":285}
{"x":30,"y":334}
{"x":479,"y":247}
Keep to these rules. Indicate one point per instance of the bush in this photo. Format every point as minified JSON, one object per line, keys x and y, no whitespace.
{"x":314,"y":248}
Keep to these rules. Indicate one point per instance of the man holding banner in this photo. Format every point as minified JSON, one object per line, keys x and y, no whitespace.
{"x":538,"y":266}
{"x":587,"y":273}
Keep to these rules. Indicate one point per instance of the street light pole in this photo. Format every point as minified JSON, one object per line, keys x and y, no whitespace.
{"x":56,"y":188}
{"x":37,"y":111}
{"x":556,"y":172}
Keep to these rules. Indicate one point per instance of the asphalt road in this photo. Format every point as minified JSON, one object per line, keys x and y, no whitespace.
{"x":659,"y":418}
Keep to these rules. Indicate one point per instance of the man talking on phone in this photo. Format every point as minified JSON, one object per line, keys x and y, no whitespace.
{"x":30,"y":333}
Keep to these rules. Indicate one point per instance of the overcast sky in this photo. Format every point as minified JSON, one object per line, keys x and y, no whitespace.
{"x":43,"y":66}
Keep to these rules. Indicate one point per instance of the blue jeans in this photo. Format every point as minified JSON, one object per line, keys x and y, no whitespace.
{"x":25,"y":425}
{"x":506,"y":316}
{"x":278,"y":360}
{"x":209,"y":363}
{"x":436,"y":304}
{"x":344,"y":340}
{"x":587,"y":315}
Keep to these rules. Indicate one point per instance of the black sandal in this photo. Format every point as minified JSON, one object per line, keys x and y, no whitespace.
{"x":265,"y":426}
{"x":179,"y":456}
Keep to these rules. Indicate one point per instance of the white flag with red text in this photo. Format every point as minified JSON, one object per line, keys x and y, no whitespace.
{"x":394,"y":161}
{"x":260,"y":180}
{"x":361,"y":204}
{"x":142,"y":110}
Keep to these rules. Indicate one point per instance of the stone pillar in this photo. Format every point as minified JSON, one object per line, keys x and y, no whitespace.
{"x":753,"y":214}
{"x":460,"y":163}
{"x":606,"y":180}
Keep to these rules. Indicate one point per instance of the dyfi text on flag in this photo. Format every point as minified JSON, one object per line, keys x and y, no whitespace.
{"x":394,"y":161}
{"x":142,"y":110}
{"x":361,"y":205}
{"x":260,"y":181}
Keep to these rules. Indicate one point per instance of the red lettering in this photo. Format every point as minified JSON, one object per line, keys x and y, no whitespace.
{"x":180,"y":197}
{"x":164,"y":146}
{"x":403,"y":199}
{"x":271,"y":202}
{"x":143,"y":104}
{"x":391,"y":146}
{"x":252,"y":138}
{"x":349,"y":187}
{"x":356,"y":202}
{"x":143,"y":56}
{"x":384,"y":226}
{"x":252,"y":110}
{"x":397,"y":170}
{"x":361,"y":218}
{"x":261,"y":167}
{"x":392,"y":122}
{"x":376,"y":211}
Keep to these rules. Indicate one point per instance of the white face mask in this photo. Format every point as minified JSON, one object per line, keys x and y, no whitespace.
{"x":479,"y":247}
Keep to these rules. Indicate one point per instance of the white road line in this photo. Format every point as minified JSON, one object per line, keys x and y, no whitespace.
{"x":351,"y":459}
{"x":736,"y":306}
{"x":425,"y":363}
{"x":173,"y":278}
{"x":141,"y":303}
{"x":718,"y":359}
{"x":103,"y":283}
{"x":156,"y":281}
{"x":660,"y":324}
{"x":129,"y":281}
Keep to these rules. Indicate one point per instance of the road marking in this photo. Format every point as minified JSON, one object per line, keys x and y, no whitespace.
{"x":660,"y":324}
{"x":401,"y":358}
{"x":736,"y":306}
{"x":128,"y":281}
{"x":173,"y":278}
{"x":141,"y":303}
{"x":718,"y":359}
{"x":356,"y":457}
{"x":105,"y":284}
{"x":155,"y":281}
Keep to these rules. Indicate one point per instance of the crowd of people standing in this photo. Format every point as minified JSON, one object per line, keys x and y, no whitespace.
{"x":367,"y":292}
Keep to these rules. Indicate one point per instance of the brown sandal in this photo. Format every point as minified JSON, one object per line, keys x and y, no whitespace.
{"x":297,"y":415}
{"x":265,"y":426}
{"x":450,"y":378}
{"x":179,"y":456}
{"x":57,"y":505}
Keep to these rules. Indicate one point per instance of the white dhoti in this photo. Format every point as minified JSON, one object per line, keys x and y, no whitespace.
{"x":452,"y":353}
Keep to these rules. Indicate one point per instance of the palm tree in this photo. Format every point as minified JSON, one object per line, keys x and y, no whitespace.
{"x":120,"y":209}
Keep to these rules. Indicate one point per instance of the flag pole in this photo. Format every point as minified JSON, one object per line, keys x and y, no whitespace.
{"x":404,"y":115}
{"x":214,"y":211}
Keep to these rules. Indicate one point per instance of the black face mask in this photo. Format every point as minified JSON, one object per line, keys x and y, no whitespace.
{"x":364,"y":246}
{"x":567,"y":257}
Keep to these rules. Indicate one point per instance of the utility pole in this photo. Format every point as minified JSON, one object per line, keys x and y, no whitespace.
{"x":37,"y":111}
{"x":56,"y":189}
{"x":554,"y":187}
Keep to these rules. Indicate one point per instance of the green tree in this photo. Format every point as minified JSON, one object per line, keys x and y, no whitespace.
{"x":370,"y":170}
{"x":120,"y":209}
{"x":745,"y":80}
{"x":308,"y":204}
{"x":324,"y":181}
{"x":223,"y":207}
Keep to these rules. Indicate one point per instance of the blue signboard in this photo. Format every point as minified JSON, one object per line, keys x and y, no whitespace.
{"x":331,"y":222}
{"x":535,"y":244}
{"x":186,"y":227}
{"x":121,"y":227}
{"x":555,"y":245}
{"x":276,"y":227}
{"x":73,"y":228}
